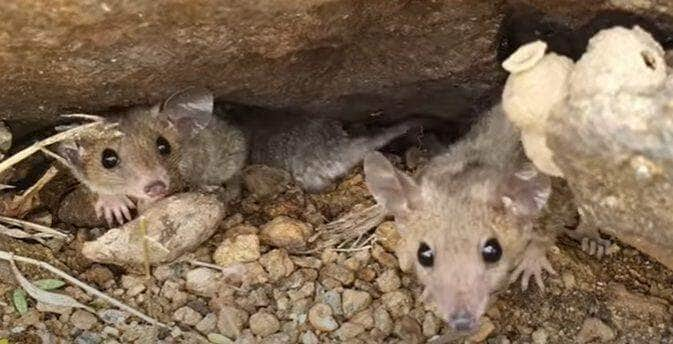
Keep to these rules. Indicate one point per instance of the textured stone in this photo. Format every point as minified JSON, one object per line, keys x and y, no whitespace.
{"x":240,"y":249}
{"x":615,"y":160}
{"x":187,"y":316}
{"x":595,"y":329}
{"x":202,"y":281}
{"x":175,"y":225}
{"x":83,"y":320}
{"x":354,"y":301}
{"x":264,"y":324}
{"x":284,"y":231}
{"x":320,"y":317}
{"x":277,"y":263}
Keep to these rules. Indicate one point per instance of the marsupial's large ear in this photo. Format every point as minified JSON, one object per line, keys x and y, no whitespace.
{"x":393,"y":189}
{"x":525,"y":192}
{"x":72,"y":152}
{"x":190,"y":110}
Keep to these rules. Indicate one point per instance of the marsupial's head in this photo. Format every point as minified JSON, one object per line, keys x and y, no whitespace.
{"x":140,"y":155}
{"x":464,"y":229}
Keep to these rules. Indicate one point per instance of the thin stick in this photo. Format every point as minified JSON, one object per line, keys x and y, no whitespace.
{"x":31,"y":225}
{"x":9,"y":257}
{"x":84,"y":116}
{"x":46,"y":177}
{"x":25,"y":153}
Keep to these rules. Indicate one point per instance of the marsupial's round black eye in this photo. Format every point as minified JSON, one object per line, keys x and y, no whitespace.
{"x":163,"y":146}
{"x":491,"y":251}
{"x":109,"y":158}
{"x":425,"y":255}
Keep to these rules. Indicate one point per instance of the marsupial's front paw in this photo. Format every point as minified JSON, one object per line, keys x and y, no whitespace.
{"x":114,"y":207}
{"x":533,"y":264}
{"x":590,"y":239}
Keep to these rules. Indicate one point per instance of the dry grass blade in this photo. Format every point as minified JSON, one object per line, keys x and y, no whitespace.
{"x":69,"y":134}
{"x":93,"y":291}
{"x":353,"y":224}
{"x":19,"y":234}
{"x":30,"y":225}
{"x":85,"y":116}
{"x":46,"y":296}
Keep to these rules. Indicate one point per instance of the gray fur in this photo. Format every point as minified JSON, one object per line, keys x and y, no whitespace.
{"x":317,"y":151}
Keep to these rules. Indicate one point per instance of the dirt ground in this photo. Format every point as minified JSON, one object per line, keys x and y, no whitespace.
{"x":353,"y":294}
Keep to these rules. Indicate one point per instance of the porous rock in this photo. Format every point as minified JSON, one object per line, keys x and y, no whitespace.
{"x":612,"y":140}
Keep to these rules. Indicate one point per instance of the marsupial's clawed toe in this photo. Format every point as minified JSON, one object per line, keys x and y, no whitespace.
{"x":533,"y":264}
{"x":114,"y":208}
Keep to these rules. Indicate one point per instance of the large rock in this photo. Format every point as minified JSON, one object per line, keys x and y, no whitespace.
{"x":174,"y":226}
{"x":613,"y":140}
{"x":321,"y":56}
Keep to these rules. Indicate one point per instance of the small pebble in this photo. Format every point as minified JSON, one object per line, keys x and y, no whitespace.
{"x":354,"y":301}
{"x":349,"y":330}
{"x":339,"y":273}
{"x":88,"y":337}
{"x":264,"y":324}
{"x":388,"y":281}
{"x":285,"y":232}
{"x":207,"y":324}
{"x":83,"y":320}
{"x":309,"y":337}
{"x":277,"y":263}
{"x":595,"y":329}
{"x":430,"y":325}
{"x":540,"y":336}
{"x":388,"y":236}
{"x":230,"y":321}
{"x":240,"y":249}
{"x":320,"y":317}
{"x":486,"y":327}
{"x":187,"y":316}
{"x":113,"y":317}
{"x":217,"y":338}
{"x":397,"y":302}
{"x":202,"y":281}
{"x":383,"y":321}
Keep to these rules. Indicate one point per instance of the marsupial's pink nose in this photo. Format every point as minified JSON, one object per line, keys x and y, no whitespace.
{"x":156,"y":188}
{"x":462,"y":321}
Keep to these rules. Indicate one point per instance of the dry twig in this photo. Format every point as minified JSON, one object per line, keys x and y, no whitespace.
{"x":93,"y":291}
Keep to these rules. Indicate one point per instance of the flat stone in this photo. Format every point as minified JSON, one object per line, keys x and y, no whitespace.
{"x":349,"y":330}
{"x":202,"y":281}
{"x":207,"y":324}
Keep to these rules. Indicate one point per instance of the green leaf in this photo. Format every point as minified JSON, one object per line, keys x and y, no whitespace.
{"x":48,"y":284}
{"x":20,"y":302}
{"x":4,"y":341}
